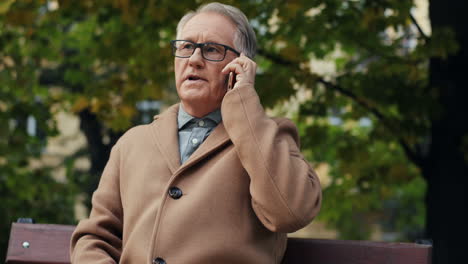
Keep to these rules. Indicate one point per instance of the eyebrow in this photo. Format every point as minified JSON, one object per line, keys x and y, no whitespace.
{"x":213,"y":42}
{"x":210,"y":40}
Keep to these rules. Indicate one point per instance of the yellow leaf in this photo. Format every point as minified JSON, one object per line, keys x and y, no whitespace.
{"x":5,"y":6}
{"x":127,"y":111}
{"x":95,"y":105}
{"x":80,"y":104}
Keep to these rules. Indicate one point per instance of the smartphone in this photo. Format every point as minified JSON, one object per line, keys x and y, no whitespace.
{"x":231,"y":80}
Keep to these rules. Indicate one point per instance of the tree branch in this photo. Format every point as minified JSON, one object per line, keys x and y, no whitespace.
{"x":418,"y":27}
{"x":363,"y":103}
{"x":412,"y":155}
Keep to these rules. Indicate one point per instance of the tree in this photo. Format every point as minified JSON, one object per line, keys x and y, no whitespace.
{"x":405,"y":91}
{"x":388,"y":121}
{"x":445,"y":165}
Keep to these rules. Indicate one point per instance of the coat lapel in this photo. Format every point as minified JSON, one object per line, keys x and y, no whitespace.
{"x":167,"y":138}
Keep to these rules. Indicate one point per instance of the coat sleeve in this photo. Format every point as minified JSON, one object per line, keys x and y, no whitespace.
{"x":286,"y":192}
{"x":99,"y":238}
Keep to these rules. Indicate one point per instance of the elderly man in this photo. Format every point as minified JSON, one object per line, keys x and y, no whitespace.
{"x":212,"y":179}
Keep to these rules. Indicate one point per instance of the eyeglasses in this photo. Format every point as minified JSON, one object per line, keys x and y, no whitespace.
{"x":210,"y":51}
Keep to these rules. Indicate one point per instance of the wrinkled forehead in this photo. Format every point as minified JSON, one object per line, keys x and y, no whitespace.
{"x":209,"y":27}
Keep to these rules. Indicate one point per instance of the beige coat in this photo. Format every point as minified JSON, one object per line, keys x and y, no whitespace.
{"x":242,"y":190}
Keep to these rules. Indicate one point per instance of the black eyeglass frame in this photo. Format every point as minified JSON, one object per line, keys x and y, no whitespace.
{"x":201,"y":45}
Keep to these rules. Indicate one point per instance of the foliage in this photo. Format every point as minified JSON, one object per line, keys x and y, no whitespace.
{"x":372,"y":183}
{"x":368,"y":119}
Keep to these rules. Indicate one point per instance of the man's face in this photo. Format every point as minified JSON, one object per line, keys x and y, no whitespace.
{"x":199,"y":82}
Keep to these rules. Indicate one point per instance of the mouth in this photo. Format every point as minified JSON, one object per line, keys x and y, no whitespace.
{"x":193,"y":77}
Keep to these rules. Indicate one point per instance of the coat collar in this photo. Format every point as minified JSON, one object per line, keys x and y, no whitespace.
{"x":165,"y":134}
{"x":183,"y":117}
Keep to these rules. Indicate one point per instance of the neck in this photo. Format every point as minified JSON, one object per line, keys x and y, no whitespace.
{"x":198,"y":110}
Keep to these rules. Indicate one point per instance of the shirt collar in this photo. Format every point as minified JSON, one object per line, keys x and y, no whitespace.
{"x":183,"y":117}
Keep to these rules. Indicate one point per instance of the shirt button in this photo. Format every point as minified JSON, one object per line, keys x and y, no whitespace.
{"x":175,"y":193}
{"x":201,"y":123}
{"x":194,"y":141}
{"x":159,"y":261}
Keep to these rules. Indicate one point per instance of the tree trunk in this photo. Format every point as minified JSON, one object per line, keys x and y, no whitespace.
{"x":99,"y":150}
{"x":446,"y":167}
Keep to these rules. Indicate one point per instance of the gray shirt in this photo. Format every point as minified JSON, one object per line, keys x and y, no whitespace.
{"x":193,"y":131}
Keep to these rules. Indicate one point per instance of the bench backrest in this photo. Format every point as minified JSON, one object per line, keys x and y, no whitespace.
{"x":42,"y":243}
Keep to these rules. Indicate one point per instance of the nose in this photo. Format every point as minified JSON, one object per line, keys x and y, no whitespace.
{"x":196,"y":60}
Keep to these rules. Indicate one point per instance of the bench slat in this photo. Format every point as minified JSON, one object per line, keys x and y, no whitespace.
{"x":324,"y":251}
{"x":49,"y":244}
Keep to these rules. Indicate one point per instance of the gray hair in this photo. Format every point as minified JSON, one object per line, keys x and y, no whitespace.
{"x":244,"y":39}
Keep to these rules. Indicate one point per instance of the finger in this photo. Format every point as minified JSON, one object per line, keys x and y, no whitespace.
{"x":245,"y":58}
{"x":228,"y":66}
{"x":232,"y":67}
{"x":237,"y":69}
{"x":246,"y":63}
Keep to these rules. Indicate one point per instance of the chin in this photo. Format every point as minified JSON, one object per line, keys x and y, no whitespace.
{"x":192,"y":96}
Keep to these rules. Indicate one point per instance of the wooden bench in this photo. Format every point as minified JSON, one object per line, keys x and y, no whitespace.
{"x":44,"y":243}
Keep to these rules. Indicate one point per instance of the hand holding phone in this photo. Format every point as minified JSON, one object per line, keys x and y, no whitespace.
{"x":241,"y":70}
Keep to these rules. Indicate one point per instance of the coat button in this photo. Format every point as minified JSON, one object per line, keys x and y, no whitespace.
{"x":175,"y":193}
{"x":159,"y":261}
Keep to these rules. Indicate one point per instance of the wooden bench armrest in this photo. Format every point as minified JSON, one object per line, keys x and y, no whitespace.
{"x":39,"y":243}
